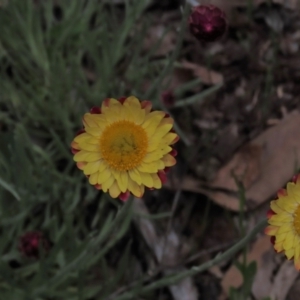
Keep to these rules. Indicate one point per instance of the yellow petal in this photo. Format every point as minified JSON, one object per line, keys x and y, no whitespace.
{"x":280,"y":237}
{"x":137,"y":115}
{"x":126,"y":113}
{"x":289,"y":241}
{"x":114,"y":190}
{"x":131,"y":100}
{"x":107,"y":184}
{"x":92,"y":167}
{"x":278,"y":247}
{"x":283,"y":217}
{"x":94,"y":131}
{"x":92,"y":140}
{"x":147,"y":179}
{"x":151,"y":124}
{"x":287,"y":203}
{"x":153,"y":145}
{"x":290,"y":188}
{"x":166,"y":121}
{"x":112,"y":114}
{"x":122,"y":181}
{"x":135,"y":188}
{"x":103,"y":176}
{"x":275,"y":207}
{"x":152,"y":167}
{"x":90,"y":147}
{"x":97,"y":119}
{"x":156,"y":181}
{"x":290,"y":253}
{"x":88,"y":122}
{"x":166,"y":149}
{"x":170,"y":137}
{"x":271,"y":230}
{"x":169,"y":160}
{"x":135,"y":176}
{"x":152,"y":156}
{"x":82,"y":137}
{"x":87,"y":156}
{"x":162,"y":131}
{"x":285,"y":228}
{"x":107,"y":103}
{"x":93,"y":178}
{"x":154,"y":114}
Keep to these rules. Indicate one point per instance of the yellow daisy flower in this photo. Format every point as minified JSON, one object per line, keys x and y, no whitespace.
{"x":284,"y":221}
{"x":125,"y":147}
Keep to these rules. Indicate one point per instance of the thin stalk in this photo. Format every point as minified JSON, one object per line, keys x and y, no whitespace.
{"x":172,"y":279}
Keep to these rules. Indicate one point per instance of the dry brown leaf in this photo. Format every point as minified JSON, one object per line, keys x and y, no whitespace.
{"x":262,"y":283}
{"x":283,"y":281}
{"x":260,"y":249}
{"x":264,"y":165}
{"x":207,"y":76}
{"x":294,"y":292}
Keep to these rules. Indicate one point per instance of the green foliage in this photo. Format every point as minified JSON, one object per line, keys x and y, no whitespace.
{"x":248,"y":272}
{"x":45,"y":59}
{"x":55,"y":65}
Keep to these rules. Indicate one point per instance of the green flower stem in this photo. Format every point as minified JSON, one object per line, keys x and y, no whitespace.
{"x":173,"y":279}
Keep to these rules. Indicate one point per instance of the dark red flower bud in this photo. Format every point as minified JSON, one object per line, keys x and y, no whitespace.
{"x":30,"y":243}
{"x":168,"y":98}
{"x":207,"y":23}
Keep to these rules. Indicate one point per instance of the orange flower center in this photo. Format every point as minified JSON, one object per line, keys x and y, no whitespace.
{"x":123,"y":145}
{"x":297,"y":220}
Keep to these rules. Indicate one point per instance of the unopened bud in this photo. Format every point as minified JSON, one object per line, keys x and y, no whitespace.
{"x":207,"y":23}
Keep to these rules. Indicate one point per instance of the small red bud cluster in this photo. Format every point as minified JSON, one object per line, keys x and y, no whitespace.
{"x":207,"y":23}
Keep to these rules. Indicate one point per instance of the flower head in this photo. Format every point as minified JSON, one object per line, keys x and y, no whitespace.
{"x":30,"y":243}
{"x":125,"y":147}
{"x":207,"y":23}
{"x":284,"y":221}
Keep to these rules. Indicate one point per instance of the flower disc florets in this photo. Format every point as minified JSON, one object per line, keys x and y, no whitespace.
{"x":284,"y":221}
{"x":207,"y":23}
{"x":125,"y":147}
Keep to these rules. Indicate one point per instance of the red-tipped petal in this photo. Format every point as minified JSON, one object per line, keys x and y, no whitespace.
{"x":270,"y":213}
{"x":122,"y":99}
{"x":124,"y":196}
{"x":281,"y":193}
{"x":272,"y":240}
{"x":74,"y":151}
{"x":147,"y":105}
{"x":98,"y":186}
{"x":173,"y":152}
{"x":175,"y":140}
{"x":80,"y":132}
{"x":106,"y":102}
{"x":95,"y":110}
{"x":296,"y":178}
{"x":162,"y":176}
